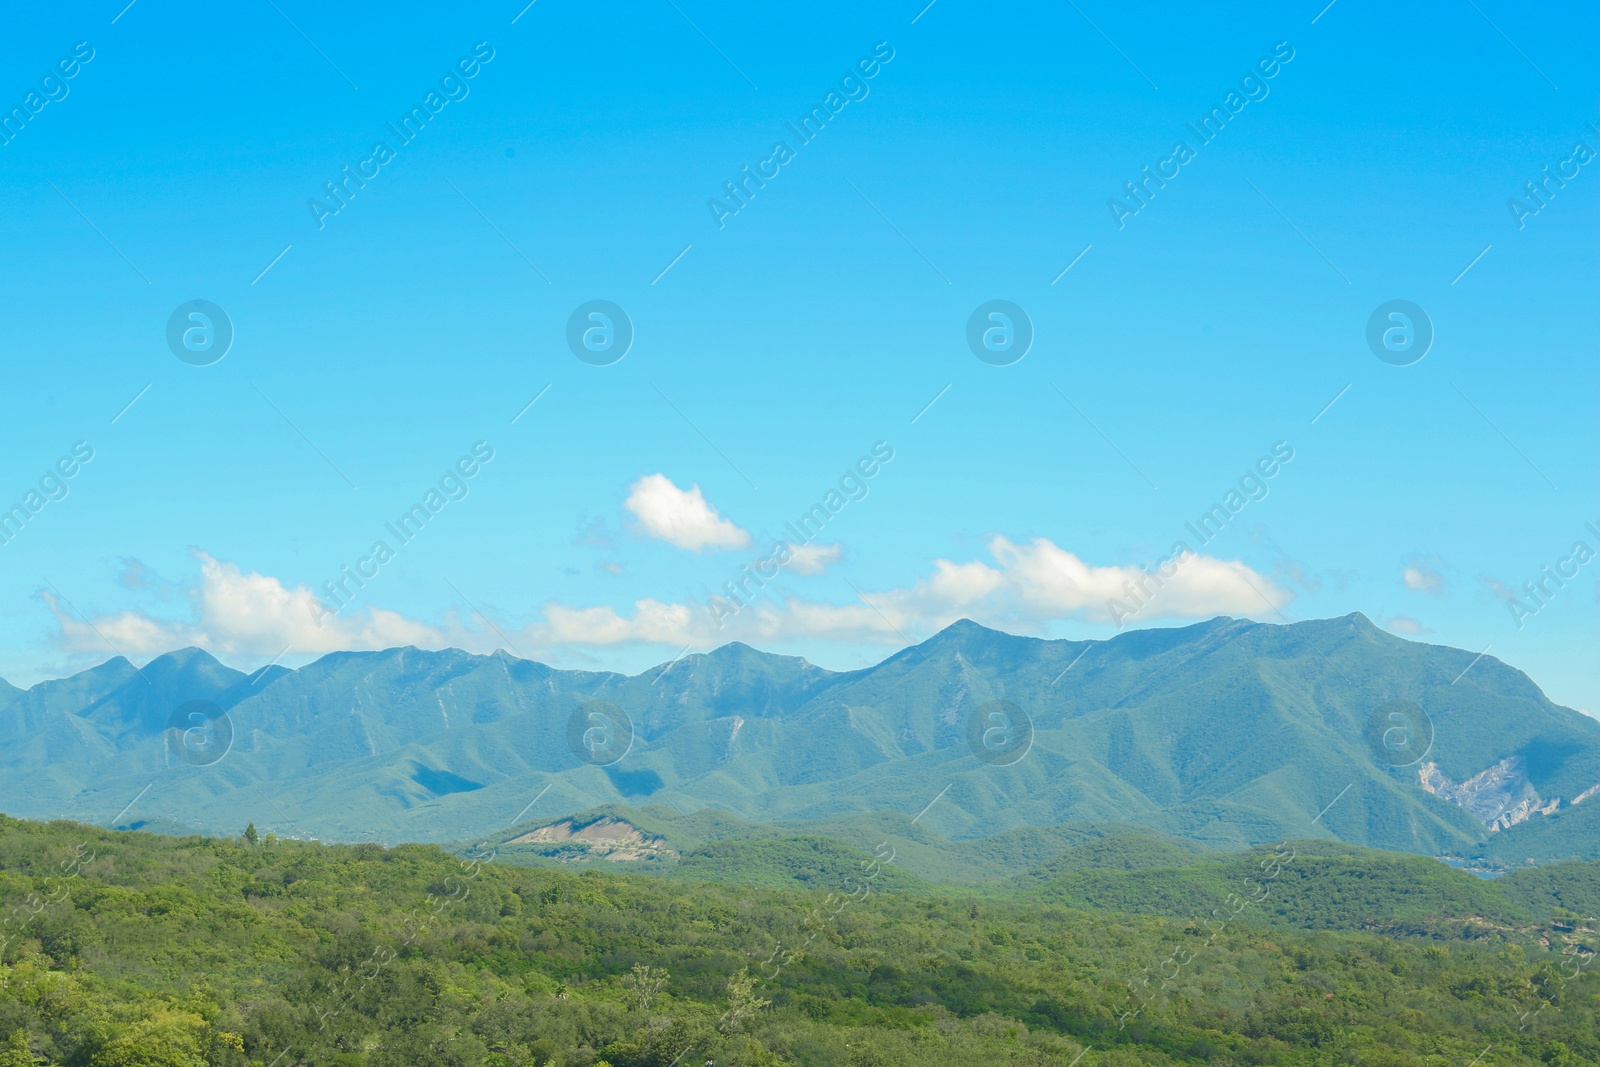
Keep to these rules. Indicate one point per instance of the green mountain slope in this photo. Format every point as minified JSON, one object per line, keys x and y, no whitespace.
{"x":1304,"y":884}
{"x":1227,"y":733}
{"x":1324,"y":885}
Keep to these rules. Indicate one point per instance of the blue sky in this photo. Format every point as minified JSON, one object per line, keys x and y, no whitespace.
{"x":771,"y":353}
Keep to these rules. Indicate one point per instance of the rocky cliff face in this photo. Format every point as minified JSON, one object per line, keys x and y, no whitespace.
{"x":1499,"y":797}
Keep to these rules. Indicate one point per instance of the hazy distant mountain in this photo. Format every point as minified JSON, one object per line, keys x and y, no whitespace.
{"x":1227,"y":732}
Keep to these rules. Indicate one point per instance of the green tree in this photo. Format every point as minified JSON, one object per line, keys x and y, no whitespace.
{"x":644,"y":984}
{"x":250,"y":835}
{"x":165,"y":1039}
{"x":1557,"y":1054}
{"x":742,"y":1001}
{"x":16,"y":1053}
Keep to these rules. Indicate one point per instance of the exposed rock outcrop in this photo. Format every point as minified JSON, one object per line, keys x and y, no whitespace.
{"x":607,"y":838}
{"x":1499,"y":797}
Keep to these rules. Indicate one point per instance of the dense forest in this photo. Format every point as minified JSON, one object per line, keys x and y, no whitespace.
{"x":137,"y":950}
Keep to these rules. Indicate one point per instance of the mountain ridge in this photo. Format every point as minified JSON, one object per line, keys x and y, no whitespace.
{"x":1226,"y":732}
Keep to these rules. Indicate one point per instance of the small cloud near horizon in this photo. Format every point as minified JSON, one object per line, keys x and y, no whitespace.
{"x":1023,"y":587}
{"x":814,"y":559}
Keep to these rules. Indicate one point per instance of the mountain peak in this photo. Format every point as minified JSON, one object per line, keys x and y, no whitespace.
{"x":737,"y":654}
{"x":185,"y":658}
{"x":732,"y":650}
{"x":425,"y":744}
{"x":117,"y":667}
{"x":964,"y":631}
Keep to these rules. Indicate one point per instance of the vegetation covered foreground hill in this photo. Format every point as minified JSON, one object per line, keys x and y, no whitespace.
{"x":1330,"y":886}
{"x":1227,"y":732}
{"x":137,"y":950}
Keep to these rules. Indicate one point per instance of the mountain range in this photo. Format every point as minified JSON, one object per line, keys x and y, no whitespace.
{"x":1226,"y":733}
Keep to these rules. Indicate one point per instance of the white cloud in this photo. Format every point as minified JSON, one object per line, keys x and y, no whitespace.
{"x":1421,"y":578}
{"x":679,"y":517}
{"x":1025,"y":587}
{"x":1405,"y":624}
{"x":813,"y":559}
{"x":1501,"y":590}
{"x":652,"y":623}
{"x":1058,"y":584}
{"x":242,"y":614}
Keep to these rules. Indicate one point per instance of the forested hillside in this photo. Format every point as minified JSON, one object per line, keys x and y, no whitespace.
{"x":1331,"y":885}
{"x":1227,"y":733}
{"x":136,"y":950}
